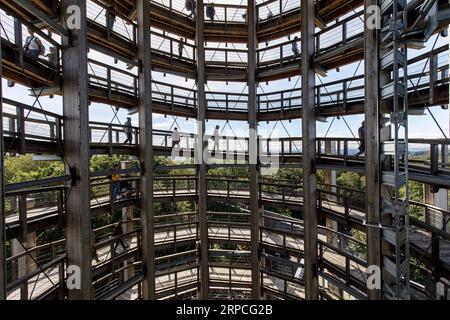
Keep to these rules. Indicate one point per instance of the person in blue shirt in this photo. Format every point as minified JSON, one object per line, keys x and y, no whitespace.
{"x":210,"y":11}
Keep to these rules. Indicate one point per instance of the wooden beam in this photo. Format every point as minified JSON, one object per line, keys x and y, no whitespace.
{"x":29,"y":7}
{"x":2,"y":197}
{"x":372,"y":159}
{"x":22,"y":245}
{"x":201,"y":148}
{"x":145,"y":153}
{"x":76,"y":152}
{"x":309,"y":148}
{"x":256,"y":214}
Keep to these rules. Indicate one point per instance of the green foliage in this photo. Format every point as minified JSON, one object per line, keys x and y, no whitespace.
{"x":49,"y":235}
{"x":294,"y":174}
{"x":418,"y":271}
{"x":283,"y":211}
{"x":351,"y":180}
{"x":216,"y":206}
{"x":105,"y":162}
{"x":359,"y":249}
{"x":24,"y":168}
{"x":236,"y":172}
{"x":172,"y":208}
{"x":415,"y":194}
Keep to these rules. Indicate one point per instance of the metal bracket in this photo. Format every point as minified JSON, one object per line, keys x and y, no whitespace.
{"x":313,"y":166}
{"x":142,"y":164}
{"x":73,"y":176}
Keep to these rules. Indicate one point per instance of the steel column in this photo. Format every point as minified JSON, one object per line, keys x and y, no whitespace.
{"x":309,"y":149}
{"x":435,"y":219}
{"x":393,"y":120}
{"x":253,"y":150}
{"x":201,"y":151}
{"x":372,"y":154}
{"x":145,"y":153}
{"x":76,"y":151}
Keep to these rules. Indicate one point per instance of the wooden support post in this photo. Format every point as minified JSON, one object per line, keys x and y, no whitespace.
{"x":435,"y":219}
{"x":19,"y":271}
{"x":201,"y":148}
{"x":31,"y":256}
{"x":2,"y":198}
{"x":127,"y":227}
{"x":330,"y":179}
{"x":21,"y":245}
{"x":434,"y":159}
{"x":309,"y":149}
{"x":76,"y":151}
{"x":145,"y":153}
{"x":372,"y":171}
{"x":18,"y":39}
{"x":21,"y":129}
{"x":438,"y":199}
{"x":110,"y":140}
{"x":435,"y":260}
{"x":253,"y":151}
{"x":433,"y":79}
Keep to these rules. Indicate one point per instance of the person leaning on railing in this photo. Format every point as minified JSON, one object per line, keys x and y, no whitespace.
{"x":33,"y":45}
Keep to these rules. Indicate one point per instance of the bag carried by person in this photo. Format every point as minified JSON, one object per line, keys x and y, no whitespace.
{"x":41,"y":47}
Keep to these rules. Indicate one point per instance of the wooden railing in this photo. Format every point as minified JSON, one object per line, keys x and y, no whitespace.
{"x":278,"y":54}
{"x":340,"y":253}
{"x":25,"y":124}
{"x":13,"y":31}
{"x":227,"y":13}
{"x":123,"y":28}
{"x":163,"y":44}
{"x":273,"y":9}
{"x":340,"y":33}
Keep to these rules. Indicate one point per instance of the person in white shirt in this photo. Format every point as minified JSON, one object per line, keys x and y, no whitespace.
{"x":33,"y":45}
{"x":175,"y":138}
{"x":215,"y":138}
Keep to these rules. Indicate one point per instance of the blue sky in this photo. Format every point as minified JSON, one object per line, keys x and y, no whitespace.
{"x":419,"y":126}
